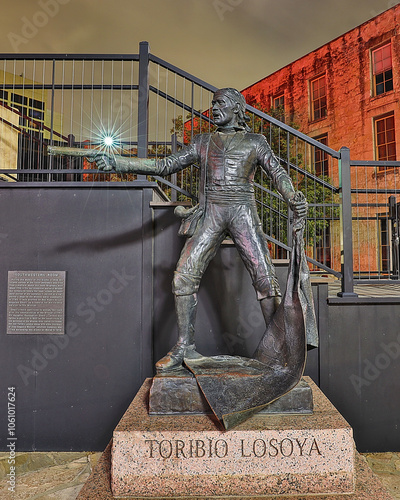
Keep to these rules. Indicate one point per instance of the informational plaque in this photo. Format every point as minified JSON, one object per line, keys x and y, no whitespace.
{"x":36,"y":302}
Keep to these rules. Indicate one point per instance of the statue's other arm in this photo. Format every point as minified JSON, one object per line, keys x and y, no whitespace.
{"x":280,"y":178}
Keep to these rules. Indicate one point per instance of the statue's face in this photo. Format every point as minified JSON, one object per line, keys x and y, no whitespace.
{"x":224,"y":111}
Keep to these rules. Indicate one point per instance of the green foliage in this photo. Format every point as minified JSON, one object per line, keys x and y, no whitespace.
{"x":298,"y":158}
{"x":185,"y":130}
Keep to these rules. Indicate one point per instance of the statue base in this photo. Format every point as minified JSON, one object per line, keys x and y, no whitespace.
{"x":176,"y":456}
{"x":178,"y":393}
{"x":368,"y":486}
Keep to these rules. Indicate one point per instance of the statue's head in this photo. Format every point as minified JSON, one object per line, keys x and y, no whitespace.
{"x":229,"y":108}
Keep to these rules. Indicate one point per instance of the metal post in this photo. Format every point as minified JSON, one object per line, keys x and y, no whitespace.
{"x":346,"y":225}
{"x":70,"y":161}
{"x":394,"y":218}
{"x":143,"y":102}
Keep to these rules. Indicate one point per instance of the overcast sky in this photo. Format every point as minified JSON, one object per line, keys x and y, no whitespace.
{"x":225,"y":42}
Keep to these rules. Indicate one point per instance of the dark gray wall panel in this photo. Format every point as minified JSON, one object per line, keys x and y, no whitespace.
{"x":360,"y":371}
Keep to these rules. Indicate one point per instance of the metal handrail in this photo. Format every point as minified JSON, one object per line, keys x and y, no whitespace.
{"x":72,"y":57}
{"x":183,"y":74}
{"x":293,"y":131}
{"x":374,"y":163}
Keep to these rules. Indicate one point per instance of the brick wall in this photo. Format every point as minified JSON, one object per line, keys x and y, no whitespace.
{"x":346,"y":63}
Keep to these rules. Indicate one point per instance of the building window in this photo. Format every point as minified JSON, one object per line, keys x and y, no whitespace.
{"x":382,"y":69}
{"x":28,"y":107}
{"x":36,"y":115}
{"x":385,"y":138}
{"x":323,"y":244}
{"x":34,"y":103}
{"x":385,"y":246}
{"x":279,"y":107}
{"x":321,"y":157}
{"x":279,"y":101}
{"x":20,"y":102}
{"x":318,"y":98}
{"x":3,"y":97}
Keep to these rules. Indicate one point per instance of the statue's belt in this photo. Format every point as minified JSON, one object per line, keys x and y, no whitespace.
{"x":230,"y":195}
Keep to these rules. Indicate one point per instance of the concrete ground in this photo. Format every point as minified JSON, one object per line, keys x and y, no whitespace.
{"x":60,"y":476}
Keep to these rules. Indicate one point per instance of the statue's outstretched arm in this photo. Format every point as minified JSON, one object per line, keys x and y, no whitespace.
{"x":122,"y":164}
{"x":149,"y":166}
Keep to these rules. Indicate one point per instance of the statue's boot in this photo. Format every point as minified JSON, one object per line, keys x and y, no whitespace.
{"x":186,"y":307}
{"x":273,"y":347}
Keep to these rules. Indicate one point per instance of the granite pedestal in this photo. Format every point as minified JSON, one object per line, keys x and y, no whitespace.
{"x":368,"y":486}
{"x":176,"y":456}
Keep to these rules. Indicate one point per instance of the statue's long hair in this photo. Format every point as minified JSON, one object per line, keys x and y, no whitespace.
{"x":236,"y":97}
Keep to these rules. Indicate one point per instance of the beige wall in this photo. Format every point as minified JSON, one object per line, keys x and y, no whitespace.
{"x":8,"y":141}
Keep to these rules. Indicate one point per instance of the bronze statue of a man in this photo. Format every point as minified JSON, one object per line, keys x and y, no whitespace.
{"x":228,"y":159}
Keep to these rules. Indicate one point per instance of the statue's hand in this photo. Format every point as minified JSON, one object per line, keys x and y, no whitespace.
{"x":105,"y":163}
{"x":299,"y":205}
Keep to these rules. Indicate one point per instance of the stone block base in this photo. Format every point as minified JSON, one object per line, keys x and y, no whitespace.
{"x":178,"y":393}
{"x":179,"y":456}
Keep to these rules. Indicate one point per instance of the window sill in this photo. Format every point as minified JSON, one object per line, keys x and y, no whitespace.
{"x":382,"y":173}
{"x":311,"y":122}
{"x":380,"y":96}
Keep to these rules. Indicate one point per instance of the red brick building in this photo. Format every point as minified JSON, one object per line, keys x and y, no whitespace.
{"x":346,"y":93}
{"x":344,"y":89}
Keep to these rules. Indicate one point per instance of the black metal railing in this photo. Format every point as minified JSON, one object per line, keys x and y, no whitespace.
{"x":151,"y":108}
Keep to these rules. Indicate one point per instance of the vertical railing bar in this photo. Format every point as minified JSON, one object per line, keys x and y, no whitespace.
{"x":346,"y":225}
{"x":166,"y":110}
{"x":62,"y":96}
{"x":366,"y":200}
{"x":316,"y":212}
{"x":81,"y":106}
{"x":183,"y":131}
{"x":133,"y":65}
{"x":118,"y":127}
{"x":52,"y":113}
{"x":289,"y":211}
{"x":72,"y":76}
{"x":157,"y":110}
{"x":192,"y":113}
{"x":174,"y":148}
{"x":92,"y":100}
{"x":191,"y":133}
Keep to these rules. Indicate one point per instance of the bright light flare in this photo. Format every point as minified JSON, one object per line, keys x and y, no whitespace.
{"x":108,"y":141}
